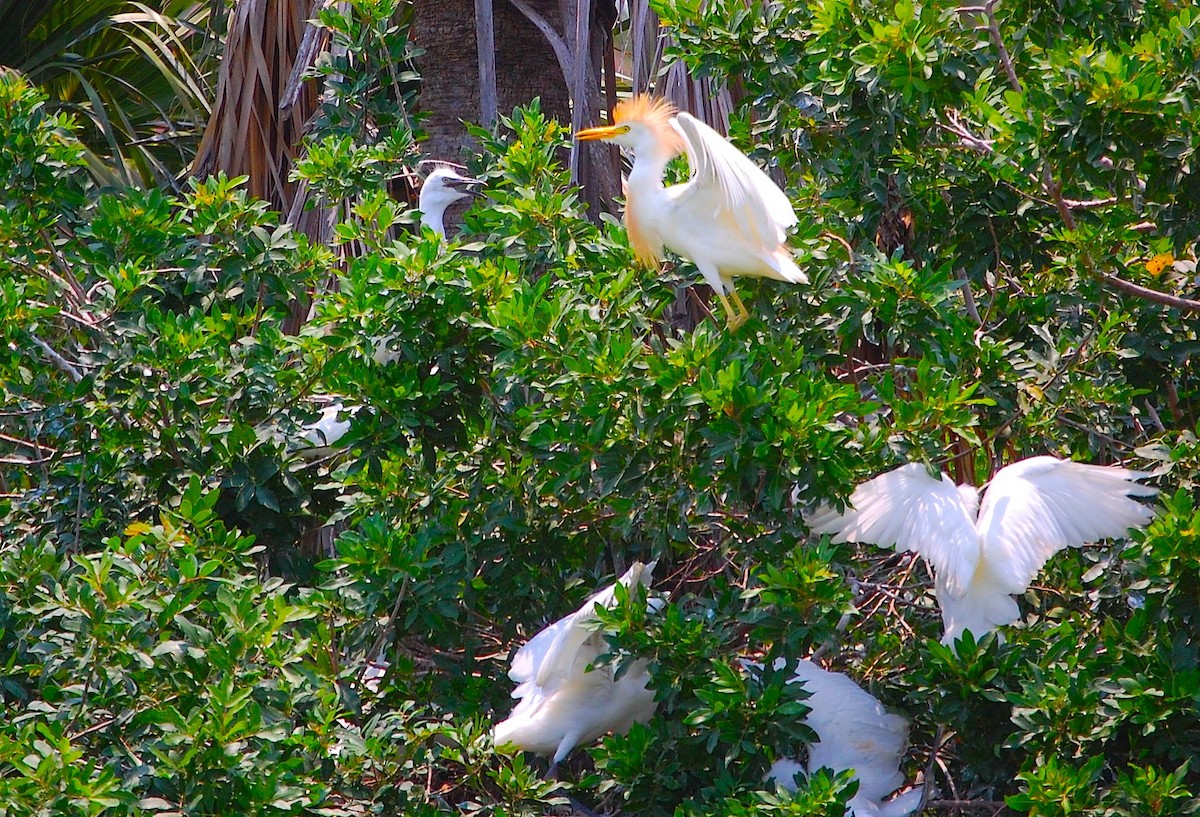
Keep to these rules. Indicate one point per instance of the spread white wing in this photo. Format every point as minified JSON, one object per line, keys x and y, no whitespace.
{"x":1034,"y":508}
{"x":737,"y":187}
{"x":907,"y":509}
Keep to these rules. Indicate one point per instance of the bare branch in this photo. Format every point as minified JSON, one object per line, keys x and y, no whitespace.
{"x":987,"y":806}
{"x":993,"y":28}
{"x":561,"y":51}
{"x":968,"y":296}
{"x":1174,"y":301}
{"x":58,"y":359}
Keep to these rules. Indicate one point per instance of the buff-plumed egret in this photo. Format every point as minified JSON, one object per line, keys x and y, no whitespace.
{"x":564,"y":701}
{"x":729,"y":218}
{"x":856,"y":734}
{"x":983,"y":554}
{"x":442,"y":187}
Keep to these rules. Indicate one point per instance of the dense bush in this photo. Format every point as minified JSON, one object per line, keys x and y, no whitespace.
{"x":539,"y":422}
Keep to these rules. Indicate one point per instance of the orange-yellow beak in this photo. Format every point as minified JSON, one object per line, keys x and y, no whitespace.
{"x":600,"y":132}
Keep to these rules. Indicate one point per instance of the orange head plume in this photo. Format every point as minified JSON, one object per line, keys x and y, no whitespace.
{"x":653,"y":112}
{"x":647,"y":111}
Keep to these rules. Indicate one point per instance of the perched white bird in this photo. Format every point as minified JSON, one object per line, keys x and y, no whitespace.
{"x":1031,"y":510}
{"x":330,"y":427}
{"x":442,"y":187}
{"x":564,"y":702}
{"x":854,"y":733}
{"x":729,"y":218}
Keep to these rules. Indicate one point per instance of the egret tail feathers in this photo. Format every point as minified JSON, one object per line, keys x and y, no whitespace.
{"x":981,"y":609}
{"x":785,"y":265}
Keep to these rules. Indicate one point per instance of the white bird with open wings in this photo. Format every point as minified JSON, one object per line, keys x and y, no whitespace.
{"x":983,"y":554}
{"x":729,"y":218}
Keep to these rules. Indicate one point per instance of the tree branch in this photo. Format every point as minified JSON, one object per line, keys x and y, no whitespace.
{"x":1174,"y":301}
{"x":58,"y":359}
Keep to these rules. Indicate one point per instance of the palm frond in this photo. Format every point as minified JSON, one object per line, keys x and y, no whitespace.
{"x":129,"y":70}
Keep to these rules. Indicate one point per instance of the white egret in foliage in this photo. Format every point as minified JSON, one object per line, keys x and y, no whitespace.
{"x":729,"y":218}
{"x":330,"y":427}
{"x":564,"y":701}
{"x":442,"y":187}
{"x":854,"y":733}
{"x":982,"y":555}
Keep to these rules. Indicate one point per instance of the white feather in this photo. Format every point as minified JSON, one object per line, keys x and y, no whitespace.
{"x":1030,"y":511}
{"x":563,"y":703}
{"x":854,"y":733}
{"x":907,"y":509}
{"x":330,"y":427}
{"x":1034,"y":508}
{"x":744,"y":191}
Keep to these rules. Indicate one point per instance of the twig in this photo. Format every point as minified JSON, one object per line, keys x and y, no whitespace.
{"x":843,"y":242}
{"x":58,"y":359}
{"x":968,"y":296}
{"x":939,"y":740}
{"x":1113,"y":441}
{"x":993,"y":27}
{"x":1154,"y":418}
{"x":966,"y":805}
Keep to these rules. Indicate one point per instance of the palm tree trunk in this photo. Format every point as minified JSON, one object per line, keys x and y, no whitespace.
{"x":250,"y":133}
{"x":526,"y":68}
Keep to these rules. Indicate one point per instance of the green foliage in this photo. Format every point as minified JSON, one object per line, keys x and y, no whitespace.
{"x":524,"y":422}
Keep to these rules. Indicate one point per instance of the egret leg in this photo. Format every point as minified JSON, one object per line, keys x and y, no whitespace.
{"x":735,"y":320}
{"x":744,"y":313}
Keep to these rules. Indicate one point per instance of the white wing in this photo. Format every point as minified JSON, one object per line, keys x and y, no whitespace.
{"x":530,"y":658}
{"x":1034,"y":508}
{"x":854,"y":732}
{"x":907,"y":509}
{"x":561,"y":704}
{"x":745,"y":193}
{"x":331,"y":427}
{"x":554,"y":654}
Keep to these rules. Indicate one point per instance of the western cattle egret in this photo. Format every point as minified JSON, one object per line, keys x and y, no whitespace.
{"x":729,"y":218}
{"x":1031,"y":510}
{"x":442,"y":188}
{"x":856,"y":734}
{"x":563,"y":700}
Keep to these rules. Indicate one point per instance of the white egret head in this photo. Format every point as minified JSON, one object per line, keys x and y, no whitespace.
{"x":442,"y":187}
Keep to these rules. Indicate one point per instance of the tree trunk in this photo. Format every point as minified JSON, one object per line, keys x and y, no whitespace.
{"x":249,"y":133}
{"x":526,"y":68}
